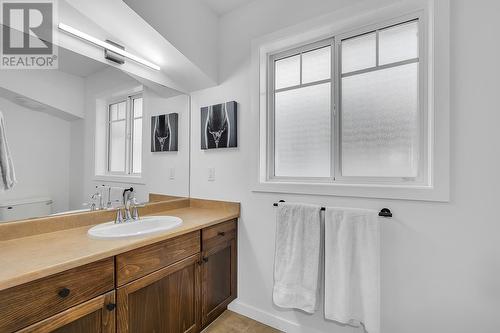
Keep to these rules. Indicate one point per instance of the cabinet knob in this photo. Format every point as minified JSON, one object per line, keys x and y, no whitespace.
{"x":64,"y":292}
{"x":221,"y":233}
{"x":205,"y":259}
{"x":110,"y":306}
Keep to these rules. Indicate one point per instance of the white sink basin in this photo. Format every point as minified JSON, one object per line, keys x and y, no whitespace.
{"x":145,"y":226}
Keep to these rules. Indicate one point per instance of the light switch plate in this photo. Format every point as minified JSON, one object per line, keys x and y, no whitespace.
{"x":172,"y":174}
{"x":211,"y":174}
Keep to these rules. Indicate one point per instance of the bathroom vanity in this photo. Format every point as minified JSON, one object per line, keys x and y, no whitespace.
{"x":63,"y":281}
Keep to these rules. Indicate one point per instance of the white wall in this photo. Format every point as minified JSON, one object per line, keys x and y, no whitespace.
{"x":40,"y":148}
{"x":60,"y":91}
{"x":440,"y":267}
{"x":157,"y":165}
{"x":188,"y":24}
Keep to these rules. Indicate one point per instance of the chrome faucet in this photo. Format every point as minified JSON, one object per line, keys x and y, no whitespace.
{"x":128,"y":199}
{"x":108,"y":203}
{"x":98,"y":198}
{"x":96,"y":195}
{"x":135,"y":211}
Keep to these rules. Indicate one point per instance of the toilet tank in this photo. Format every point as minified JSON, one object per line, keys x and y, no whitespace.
{"x":19,"y":209}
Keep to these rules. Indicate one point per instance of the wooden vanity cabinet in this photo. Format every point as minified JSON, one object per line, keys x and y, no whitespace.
{"x":164,"y":301}
{"x":218,"y":270}
{"x":179,"y":285}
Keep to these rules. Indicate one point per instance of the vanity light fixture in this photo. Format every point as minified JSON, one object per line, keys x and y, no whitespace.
{"x":106,"y":45}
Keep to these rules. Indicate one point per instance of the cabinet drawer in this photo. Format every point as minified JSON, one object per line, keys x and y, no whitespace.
{"x":140,"y":262}
{"x":96,"y":315}
{"x":26,"y":304}
{"x":220,"y":233}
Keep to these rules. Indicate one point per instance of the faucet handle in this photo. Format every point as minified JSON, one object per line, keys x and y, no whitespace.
{"x":134,"y":202}
{"x":135,"y":211}
{"x":91,"y":205}
{"x":119,"y":216}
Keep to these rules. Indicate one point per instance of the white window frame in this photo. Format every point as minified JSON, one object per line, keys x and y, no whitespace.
{"x":434,"y":18}
{"x":129,"y":130}
{"x":423,"y":171}
{"x":335,"y":42}
{"x":271,"y":105}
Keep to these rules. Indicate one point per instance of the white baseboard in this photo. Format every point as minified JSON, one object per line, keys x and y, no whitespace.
{"x":276,"y":322}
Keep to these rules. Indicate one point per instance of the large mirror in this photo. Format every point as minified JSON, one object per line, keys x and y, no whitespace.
{"x":74,"y":137}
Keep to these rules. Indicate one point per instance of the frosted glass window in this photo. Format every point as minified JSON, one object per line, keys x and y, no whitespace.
{"x":117,"y":146}
{"x":359,"y":53}
{"x":125,"y":136}
{"x":113,"y":112}
{"x":380,"y":134}
{"x":137,"y":146}
{"x":137,"y":136}
{"x":377,"y":133}
{"x":316,"y":65}
{"x":287,"y":72}
{"x":398,"y":43}
{"x":122,"y":110}
{"x":302,"y":132}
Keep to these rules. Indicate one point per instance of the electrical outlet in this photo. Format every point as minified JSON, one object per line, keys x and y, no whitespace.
{"x":172,"y":174}
{"x":211,"y":174}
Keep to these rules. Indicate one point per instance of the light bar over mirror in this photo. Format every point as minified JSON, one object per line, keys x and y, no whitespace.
{"x":106,"y":45}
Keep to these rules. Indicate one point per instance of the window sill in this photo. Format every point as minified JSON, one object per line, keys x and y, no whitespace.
{"x":120,"y":179}
{"x":400,"y":192}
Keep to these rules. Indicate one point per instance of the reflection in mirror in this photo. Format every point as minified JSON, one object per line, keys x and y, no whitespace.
{"x":80,"y":134}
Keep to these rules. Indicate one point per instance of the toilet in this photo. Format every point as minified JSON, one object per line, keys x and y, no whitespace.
{"x":18,"y":209}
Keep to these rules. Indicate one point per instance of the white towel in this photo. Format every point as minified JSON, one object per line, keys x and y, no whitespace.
{"x":7,"y":174}
{"x":352,"y":267}
{"x":297,"y":256}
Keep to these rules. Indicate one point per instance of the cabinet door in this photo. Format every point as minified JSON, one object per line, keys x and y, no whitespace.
{"x":94,"y":316}
{"x":218,"y":279}
{"x":165,"y":301}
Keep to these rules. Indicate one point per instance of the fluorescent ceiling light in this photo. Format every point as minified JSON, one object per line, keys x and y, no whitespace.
{"x":106,"y":45}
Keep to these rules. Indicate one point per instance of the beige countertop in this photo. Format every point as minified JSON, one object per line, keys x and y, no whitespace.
{"x":29,"y":258}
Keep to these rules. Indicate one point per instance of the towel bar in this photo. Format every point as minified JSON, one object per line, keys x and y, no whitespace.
{"x":384,"y":212}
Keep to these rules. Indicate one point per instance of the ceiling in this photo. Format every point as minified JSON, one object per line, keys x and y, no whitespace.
{"x":77,"y":64}
{"x":221,"y":7}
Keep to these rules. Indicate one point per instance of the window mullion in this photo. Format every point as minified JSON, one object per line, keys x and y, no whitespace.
{"x":128,"y":134}
{"x":336,"y":131}
{"x":333,"y":105}
{"x":130,"y":137}
{"x":108,"y":139}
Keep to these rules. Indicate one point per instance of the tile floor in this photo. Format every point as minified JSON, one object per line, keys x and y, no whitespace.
{"x":230,"y":322}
